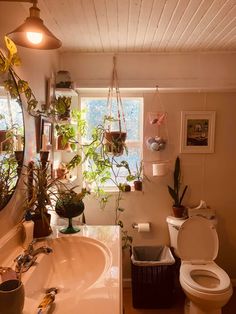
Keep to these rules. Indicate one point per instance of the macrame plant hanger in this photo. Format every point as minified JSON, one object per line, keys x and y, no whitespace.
{"x":158,"y":139}
{"x":116,"y":131}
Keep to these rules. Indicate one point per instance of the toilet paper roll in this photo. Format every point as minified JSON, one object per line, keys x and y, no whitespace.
{"x":143,"y":227}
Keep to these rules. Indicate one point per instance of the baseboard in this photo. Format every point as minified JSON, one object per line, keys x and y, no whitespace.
{"x":127,"y":283}
{"x":233,"y":280}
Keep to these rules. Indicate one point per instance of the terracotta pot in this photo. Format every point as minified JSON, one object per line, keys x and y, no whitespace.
{"x":115,"y":142}
{"x":179,"y":212}
{"x":42,"y":226}
{"x":138,"y":185}
{"x":60,"y":145}
{"x":127,"y":188}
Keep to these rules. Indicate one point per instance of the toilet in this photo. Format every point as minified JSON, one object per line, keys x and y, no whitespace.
{"x":206,"y":285}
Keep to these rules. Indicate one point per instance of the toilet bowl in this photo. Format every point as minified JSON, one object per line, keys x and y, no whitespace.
{"x":206,"y":285}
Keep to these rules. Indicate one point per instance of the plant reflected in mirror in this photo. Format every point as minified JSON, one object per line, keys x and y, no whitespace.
{"x":11,"y":126}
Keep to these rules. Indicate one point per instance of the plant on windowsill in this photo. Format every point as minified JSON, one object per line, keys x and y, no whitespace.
{"x":179,"y":210}
{"x":138,"y":177}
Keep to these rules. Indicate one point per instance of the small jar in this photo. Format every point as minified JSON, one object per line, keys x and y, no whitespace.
{"x":63,"y":79}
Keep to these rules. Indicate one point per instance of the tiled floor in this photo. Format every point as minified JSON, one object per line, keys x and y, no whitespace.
{"x":177,"y":308}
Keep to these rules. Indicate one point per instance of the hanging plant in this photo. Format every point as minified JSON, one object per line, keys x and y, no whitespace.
{"x":115,"y":125}
{"x":13,"y":83}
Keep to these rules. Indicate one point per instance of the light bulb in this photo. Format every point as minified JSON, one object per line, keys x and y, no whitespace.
{"x":34,"y":38}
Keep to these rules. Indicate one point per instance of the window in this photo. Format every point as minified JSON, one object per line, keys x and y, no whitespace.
{"x":96,"y":109}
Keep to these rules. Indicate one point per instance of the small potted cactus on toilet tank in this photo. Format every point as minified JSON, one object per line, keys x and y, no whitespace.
{"x":179,"y":210}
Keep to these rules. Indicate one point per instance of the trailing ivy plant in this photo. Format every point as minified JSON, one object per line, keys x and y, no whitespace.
{"x":13,"y":83}
{"x":101,"y":168}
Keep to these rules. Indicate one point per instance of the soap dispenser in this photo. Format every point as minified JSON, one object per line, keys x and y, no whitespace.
{"x":28,"y":229}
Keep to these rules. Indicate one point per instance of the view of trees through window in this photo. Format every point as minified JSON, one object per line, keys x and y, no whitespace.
{"x":96,"y":109}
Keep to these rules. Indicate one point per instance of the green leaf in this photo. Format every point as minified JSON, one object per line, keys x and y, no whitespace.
{"x":120,"y":209}
{"x":32,"y":104}
{"x":173,"y":195}
{"x":23,"y":86}
{"x":130,"y":177}
{"x":10,"y":45}
{"x":120,"y":223}
{"x":28,"y":93}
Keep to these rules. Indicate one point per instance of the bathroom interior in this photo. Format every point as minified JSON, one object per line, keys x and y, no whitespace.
{"x":177,"y":60}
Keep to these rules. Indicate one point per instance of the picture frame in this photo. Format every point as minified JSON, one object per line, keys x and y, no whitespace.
{"x":50,"y":91}
{"x":44,"y":127}
{"x":197,"y":131}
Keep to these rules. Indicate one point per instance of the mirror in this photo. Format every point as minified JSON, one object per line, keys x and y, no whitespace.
{"x":11,"y":143}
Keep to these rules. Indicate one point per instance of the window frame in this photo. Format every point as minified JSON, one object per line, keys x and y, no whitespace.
{"x":103,"y":93}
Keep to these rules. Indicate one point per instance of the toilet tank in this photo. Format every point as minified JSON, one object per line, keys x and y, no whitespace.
{"x":174,"y":225}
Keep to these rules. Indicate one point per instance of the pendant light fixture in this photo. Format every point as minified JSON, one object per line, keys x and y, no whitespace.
{"x":33,"y":33}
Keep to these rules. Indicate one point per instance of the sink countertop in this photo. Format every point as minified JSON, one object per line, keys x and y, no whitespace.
{"x":105,"y":295}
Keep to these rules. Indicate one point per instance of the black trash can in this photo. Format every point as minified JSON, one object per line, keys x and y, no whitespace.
{"x":152,"y":272}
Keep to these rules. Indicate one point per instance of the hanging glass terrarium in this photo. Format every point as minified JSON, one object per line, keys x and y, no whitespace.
{"x":115,"y":126}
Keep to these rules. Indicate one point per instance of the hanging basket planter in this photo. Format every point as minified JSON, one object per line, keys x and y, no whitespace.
{"x":115,"y":125}
{"x":115,"y":142}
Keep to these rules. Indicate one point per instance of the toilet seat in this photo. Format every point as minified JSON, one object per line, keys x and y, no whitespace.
{"x":198,"y":247}
{"x":220,"y":283}
{"x":197,"y":240}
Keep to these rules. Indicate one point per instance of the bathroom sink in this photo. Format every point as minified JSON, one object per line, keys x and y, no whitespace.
{"x":80,"y":267}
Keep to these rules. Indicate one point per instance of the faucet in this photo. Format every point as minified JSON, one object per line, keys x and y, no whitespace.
{"x":25,"y":260}
{"x":34,"y":252}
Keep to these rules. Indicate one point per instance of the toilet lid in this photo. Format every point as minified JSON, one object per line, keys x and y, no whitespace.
{"x":197,"y":240}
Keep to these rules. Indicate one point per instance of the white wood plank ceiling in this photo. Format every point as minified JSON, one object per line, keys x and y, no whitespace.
{"x":141,"y":25}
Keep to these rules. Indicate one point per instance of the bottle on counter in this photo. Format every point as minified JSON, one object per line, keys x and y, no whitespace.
{"x":28,"y":229}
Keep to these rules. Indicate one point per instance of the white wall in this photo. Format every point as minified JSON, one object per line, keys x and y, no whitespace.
{"x":184,"y":71}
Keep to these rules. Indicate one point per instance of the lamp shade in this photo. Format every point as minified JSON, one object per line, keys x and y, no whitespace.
{"x":33,"y":24}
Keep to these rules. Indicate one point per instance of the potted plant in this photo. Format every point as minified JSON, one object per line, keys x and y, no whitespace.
{"x":62,"y":107}
{"x":41,"y":189}
{"x":8,"y":178}
{"x":66,"y":137}
{"x":115,"y":135}
{"x":138,"y":182}
{"x":178,"y":208}
{"x":70,"y":204}
{"x":115,"y":142}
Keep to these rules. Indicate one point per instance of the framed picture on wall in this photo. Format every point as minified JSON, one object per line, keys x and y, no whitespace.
{"x":197,"y":131}
{"x":44,"y":134}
